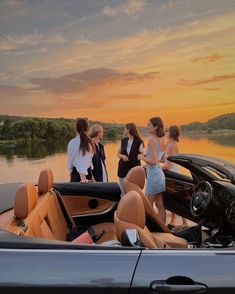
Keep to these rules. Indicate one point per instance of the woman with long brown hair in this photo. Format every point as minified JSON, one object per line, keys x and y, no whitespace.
{"x":131,"y":146}
{"x":80,"y":152}
{"x":155,"y":183}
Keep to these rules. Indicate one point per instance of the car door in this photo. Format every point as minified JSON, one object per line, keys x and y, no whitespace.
{"x":66,"y":270}
{"x":91,"y":202}
{"x":185,"y":271}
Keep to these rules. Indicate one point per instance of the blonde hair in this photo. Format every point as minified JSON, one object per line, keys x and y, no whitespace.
{"x":94,"y":130}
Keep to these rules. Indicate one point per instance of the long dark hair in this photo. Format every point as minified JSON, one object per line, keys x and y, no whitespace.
{"x":131,"y":127}
{"x":174,"y":132}
{"x":157,"y":122}
{"x":86,"y":144}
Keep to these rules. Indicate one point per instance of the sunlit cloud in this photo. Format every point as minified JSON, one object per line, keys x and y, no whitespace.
{"x":9,"y":43}
{"x":133,"y":7}
{"x":207,"y":81}
{"x":93,"y":77}
{"x":109,"y":11}
{"x":130,"y":8}
{"x":208,"y":59}
{"x":211,"y":89}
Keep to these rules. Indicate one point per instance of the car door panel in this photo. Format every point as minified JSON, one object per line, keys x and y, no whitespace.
{"x":181,"y":271}
{"x":66,"y":271}
{"x":84,"y":205}
{"x":90,"y":203}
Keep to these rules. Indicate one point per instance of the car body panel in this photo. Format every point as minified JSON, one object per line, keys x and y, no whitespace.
{"x":67,"y":271}
{"x":213,"y":268}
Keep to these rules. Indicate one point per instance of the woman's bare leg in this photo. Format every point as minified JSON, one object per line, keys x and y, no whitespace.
{"x":157,"y":199}
{"x":185,"y":223}
{"x":173,"y":219}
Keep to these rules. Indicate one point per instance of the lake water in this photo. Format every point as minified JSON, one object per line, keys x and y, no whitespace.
{"x":21,"y":163}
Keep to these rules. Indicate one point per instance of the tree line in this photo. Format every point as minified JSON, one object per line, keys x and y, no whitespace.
{"x":31,"y":129}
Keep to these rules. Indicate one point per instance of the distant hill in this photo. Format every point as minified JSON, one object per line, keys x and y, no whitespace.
{"x":222,"y":122}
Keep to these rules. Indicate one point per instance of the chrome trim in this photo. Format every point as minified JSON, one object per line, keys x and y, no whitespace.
{"x":98,"y":213}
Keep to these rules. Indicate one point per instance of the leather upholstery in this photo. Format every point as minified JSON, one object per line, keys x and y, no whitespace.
{"x":25,"y":200}
{"x":49,"y":209}
{"x":45,"y":181}
{"x":172,"y":240}
{"x":42,"y":216}
{"x":130,"y":214}
{"x":136,"y":176}
{"x":135,"y":181}
{"x":131,"y":209}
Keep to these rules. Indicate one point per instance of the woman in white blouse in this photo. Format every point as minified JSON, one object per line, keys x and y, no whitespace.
{"x":80,"y":152}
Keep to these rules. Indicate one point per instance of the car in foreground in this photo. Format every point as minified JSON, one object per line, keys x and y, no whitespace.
{"x":36,"y":256}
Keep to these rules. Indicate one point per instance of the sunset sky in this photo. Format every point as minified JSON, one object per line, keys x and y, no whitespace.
{"x":118,"y":60}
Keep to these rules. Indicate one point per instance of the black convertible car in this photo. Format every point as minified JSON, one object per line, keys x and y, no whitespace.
{"x":82,"y":238}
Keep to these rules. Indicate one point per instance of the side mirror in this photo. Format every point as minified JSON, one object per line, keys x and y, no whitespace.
{"x":130,"y":237}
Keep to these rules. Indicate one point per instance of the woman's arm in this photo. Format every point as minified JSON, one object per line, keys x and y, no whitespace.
{"x":168,"y":164}
{"x":122,"y":156}
{"x":153,"y":154}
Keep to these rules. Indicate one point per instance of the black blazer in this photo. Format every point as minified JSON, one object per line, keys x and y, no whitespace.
{"x":98,"y":157}
{"x":125,"y":166}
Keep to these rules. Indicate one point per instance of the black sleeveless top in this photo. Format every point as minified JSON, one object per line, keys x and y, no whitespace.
{"x":125,"y":166}
{"x":97,"y":160}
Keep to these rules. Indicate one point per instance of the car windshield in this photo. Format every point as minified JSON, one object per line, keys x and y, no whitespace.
{"x":217,"y":173}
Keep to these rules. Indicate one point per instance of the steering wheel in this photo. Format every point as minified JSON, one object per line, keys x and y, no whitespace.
{"x":201,"y":199}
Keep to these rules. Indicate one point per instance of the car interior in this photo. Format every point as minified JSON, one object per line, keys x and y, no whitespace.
{"x":70,"y":212}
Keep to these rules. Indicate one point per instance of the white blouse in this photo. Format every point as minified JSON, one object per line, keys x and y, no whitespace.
{"x":76,"y":158}
{"x":129,"y":145}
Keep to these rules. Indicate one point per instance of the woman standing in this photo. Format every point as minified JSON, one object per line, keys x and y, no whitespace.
{"x":80,"y":152}
{"x":131,"y":146}
{"x":155,"y":183}
{"x":172,"y":148}
{"x":99,"y":170}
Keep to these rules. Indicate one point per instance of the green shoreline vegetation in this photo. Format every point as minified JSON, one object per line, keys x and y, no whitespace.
{"x":26,"y":129}
{"x":17,"y":129}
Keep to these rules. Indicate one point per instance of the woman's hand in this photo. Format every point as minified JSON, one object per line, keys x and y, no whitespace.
{"x":141,"y":156}
{"x":83,"y":178}
{"x":124,"y":158}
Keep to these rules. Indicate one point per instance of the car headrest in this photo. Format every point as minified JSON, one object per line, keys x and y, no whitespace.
{"x":136,"y":176}
{"x":45,"y":181}
{"x":25,"y":200}
{"x":131,"y":209}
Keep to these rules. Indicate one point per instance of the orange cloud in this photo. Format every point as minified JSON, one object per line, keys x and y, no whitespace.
{"x":207,"y":59}
{"x":207,"y":81}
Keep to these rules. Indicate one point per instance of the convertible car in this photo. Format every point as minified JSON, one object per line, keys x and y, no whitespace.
{"x":85,"y":238}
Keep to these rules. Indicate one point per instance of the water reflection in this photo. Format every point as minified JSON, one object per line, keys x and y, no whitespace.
{"x":221,"y":139}
{"x":32,"y":150}
{"x":23,"y":162}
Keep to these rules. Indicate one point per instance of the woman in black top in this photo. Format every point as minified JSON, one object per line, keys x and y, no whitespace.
{"x":131,"y":146}
{"x":99,"y":169}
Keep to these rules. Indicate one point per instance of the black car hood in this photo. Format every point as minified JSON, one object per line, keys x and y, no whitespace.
{"x":192,"y":161}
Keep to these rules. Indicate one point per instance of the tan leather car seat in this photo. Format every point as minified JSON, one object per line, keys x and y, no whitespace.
{"x":135,"y":181}
{"x":49,"y":206}
{"x":26,"y":220}
{"x":130,"y":214}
